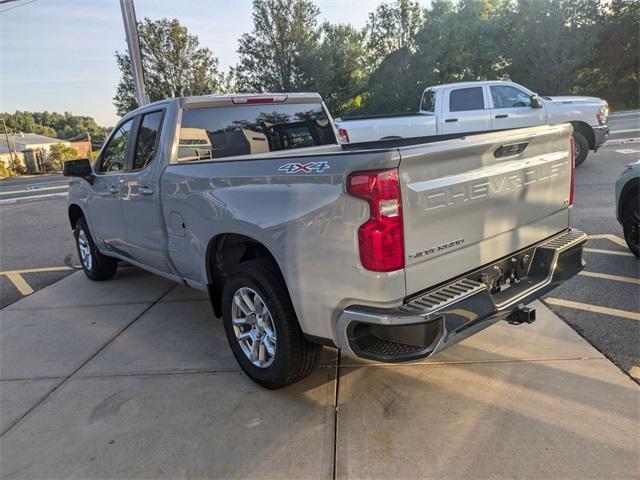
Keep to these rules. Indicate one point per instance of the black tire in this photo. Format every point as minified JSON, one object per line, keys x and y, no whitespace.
{"x":582,"y":147}
{"x":631,"y":225}
{"x":99,"y":266}
{"x":295,"y":357}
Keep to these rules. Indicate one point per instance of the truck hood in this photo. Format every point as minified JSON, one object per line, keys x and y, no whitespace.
{"x":573,"y":99}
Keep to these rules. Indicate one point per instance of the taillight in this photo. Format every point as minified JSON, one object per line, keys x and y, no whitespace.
{"x":344,"y":135}
{"x":572,"y":147}
{"x":381,"y":238}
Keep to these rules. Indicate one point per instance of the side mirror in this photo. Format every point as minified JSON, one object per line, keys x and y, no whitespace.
{"x":536,"y":101}
{"x":78,"y":168}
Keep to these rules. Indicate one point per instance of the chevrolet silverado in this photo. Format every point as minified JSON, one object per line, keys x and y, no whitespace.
{"x":390,"y":250}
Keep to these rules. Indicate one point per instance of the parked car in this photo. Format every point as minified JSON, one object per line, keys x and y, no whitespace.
{"x":628,"y":205}
{"x":472,"y":107}
{"x":391,"y":251}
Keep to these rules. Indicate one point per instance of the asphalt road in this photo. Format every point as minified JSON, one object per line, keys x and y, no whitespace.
{"x":34,"y":234}
{"x":624,"y":125}
{"x":37,"y":187}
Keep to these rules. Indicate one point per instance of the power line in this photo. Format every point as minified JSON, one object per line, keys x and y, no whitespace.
{"x":15,"y":6}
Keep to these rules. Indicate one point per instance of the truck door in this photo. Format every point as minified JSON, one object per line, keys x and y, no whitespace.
{"x":511,"y":108}
{"x":105,"y":208}
{"x":465,"y":110}
{"x":140,"y":205}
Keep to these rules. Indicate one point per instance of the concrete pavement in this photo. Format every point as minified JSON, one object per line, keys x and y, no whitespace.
{"x":133,"y":378}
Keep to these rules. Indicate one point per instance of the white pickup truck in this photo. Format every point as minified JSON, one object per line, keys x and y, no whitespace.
{"x":472,"y":107}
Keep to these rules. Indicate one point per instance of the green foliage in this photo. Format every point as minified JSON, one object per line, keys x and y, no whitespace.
{"x":343,"y":76}
{"x":279,"y":55}
{"x":56,"y":125}
{"x":5,"y":171}
{"x":392,"y":27}
{"x":173,"y":62}
{"x":551,"y":46}
{"x":59,"y":153}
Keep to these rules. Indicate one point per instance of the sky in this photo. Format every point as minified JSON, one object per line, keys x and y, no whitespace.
{"x":58,"y":55}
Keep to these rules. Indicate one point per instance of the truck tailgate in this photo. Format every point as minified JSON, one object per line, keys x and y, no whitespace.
{"x":469,"y":202}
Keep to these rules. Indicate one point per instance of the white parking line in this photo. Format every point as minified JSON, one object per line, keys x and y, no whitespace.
{"x":626,"y":130}
{"x":609,"y":252}
{"x":34,"y":190}
{"x":616,"y":278}
{"x":593,"y":308}
{"x":33,"y":197}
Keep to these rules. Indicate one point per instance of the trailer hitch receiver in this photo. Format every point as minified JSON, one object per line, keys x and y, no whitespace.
{"x":522,"y":314}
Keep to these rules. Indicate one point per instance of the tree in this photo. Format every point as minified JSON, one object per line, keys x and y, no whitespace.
{"x":550,"y":42}
{"x":173,"y":62}
{"x":279,"y":54}
{"x":57,"y":125}
{"x":343,"y":76}
{"x":614,"y":69}
{"x":58,"y":154}
{"x":392,"y":27}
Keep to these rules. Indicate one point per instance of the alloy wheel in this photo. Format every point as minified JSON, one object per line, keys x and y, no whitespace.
{"x":85,"y":250}
{"x":253,"y":327}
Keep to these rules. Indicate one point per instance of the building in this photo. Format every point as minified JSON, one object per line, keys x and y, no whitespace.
{"x":32,"y":147}
{"x":83,"y":147}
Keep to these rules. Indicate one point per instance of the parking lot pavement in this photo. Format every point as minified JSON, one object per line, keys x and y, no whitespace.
{"x":603,"y":303}
{"x":133,"y":378}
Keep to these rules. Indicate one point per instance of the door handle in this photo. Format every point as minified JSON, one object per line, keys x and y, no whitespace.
{"x":113,"y":188}
{"x":502,"y":116}
{"x":145,"y":190}
{"x":449,"y":120}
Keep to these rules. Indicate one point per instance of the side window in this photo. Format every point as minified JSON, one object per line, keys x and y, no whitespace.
{"x":464,"y":99}
{"x":428,"y":103}
{"x":147,"y":141}
{"x":114,"y":155}
{"x":505,"y":96}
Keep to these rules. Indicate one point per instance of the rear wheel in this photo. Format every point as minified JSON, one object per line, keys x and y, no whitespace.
{"x":96,"y":266}
{"x":262,"y":327}
{"x":631,"y":225}
{"x":582,"y":148}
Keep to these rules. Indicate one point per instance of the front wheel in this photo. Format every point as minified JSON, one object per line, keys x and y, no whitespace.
{"x":262,"y":327}
{"x":582,"y":148}
{"x":96,"y":266}
{"x":631,"y":225}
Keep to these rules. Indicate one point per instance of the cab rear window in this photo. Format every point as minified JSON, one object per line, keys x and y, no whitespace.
{"x":213,"y":133}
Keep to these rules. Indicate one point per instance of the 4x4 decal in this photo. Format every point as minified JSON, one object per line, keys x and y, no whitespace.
{"x":311,"y":167}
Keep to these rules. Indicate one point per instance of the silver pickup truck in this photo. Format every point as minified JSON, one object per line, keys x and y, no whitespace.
{"x":390,"y":250}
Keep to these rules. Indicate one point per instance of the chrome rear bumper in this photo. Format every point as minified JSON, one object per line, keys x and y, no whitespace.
{"x":441,"y":317}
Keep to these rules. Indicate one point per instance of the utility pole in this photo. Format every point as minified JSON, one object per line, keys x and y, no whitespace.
{"x":6,"y":134}
{"x":90,"y":146}
{"x":133,"y":44}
